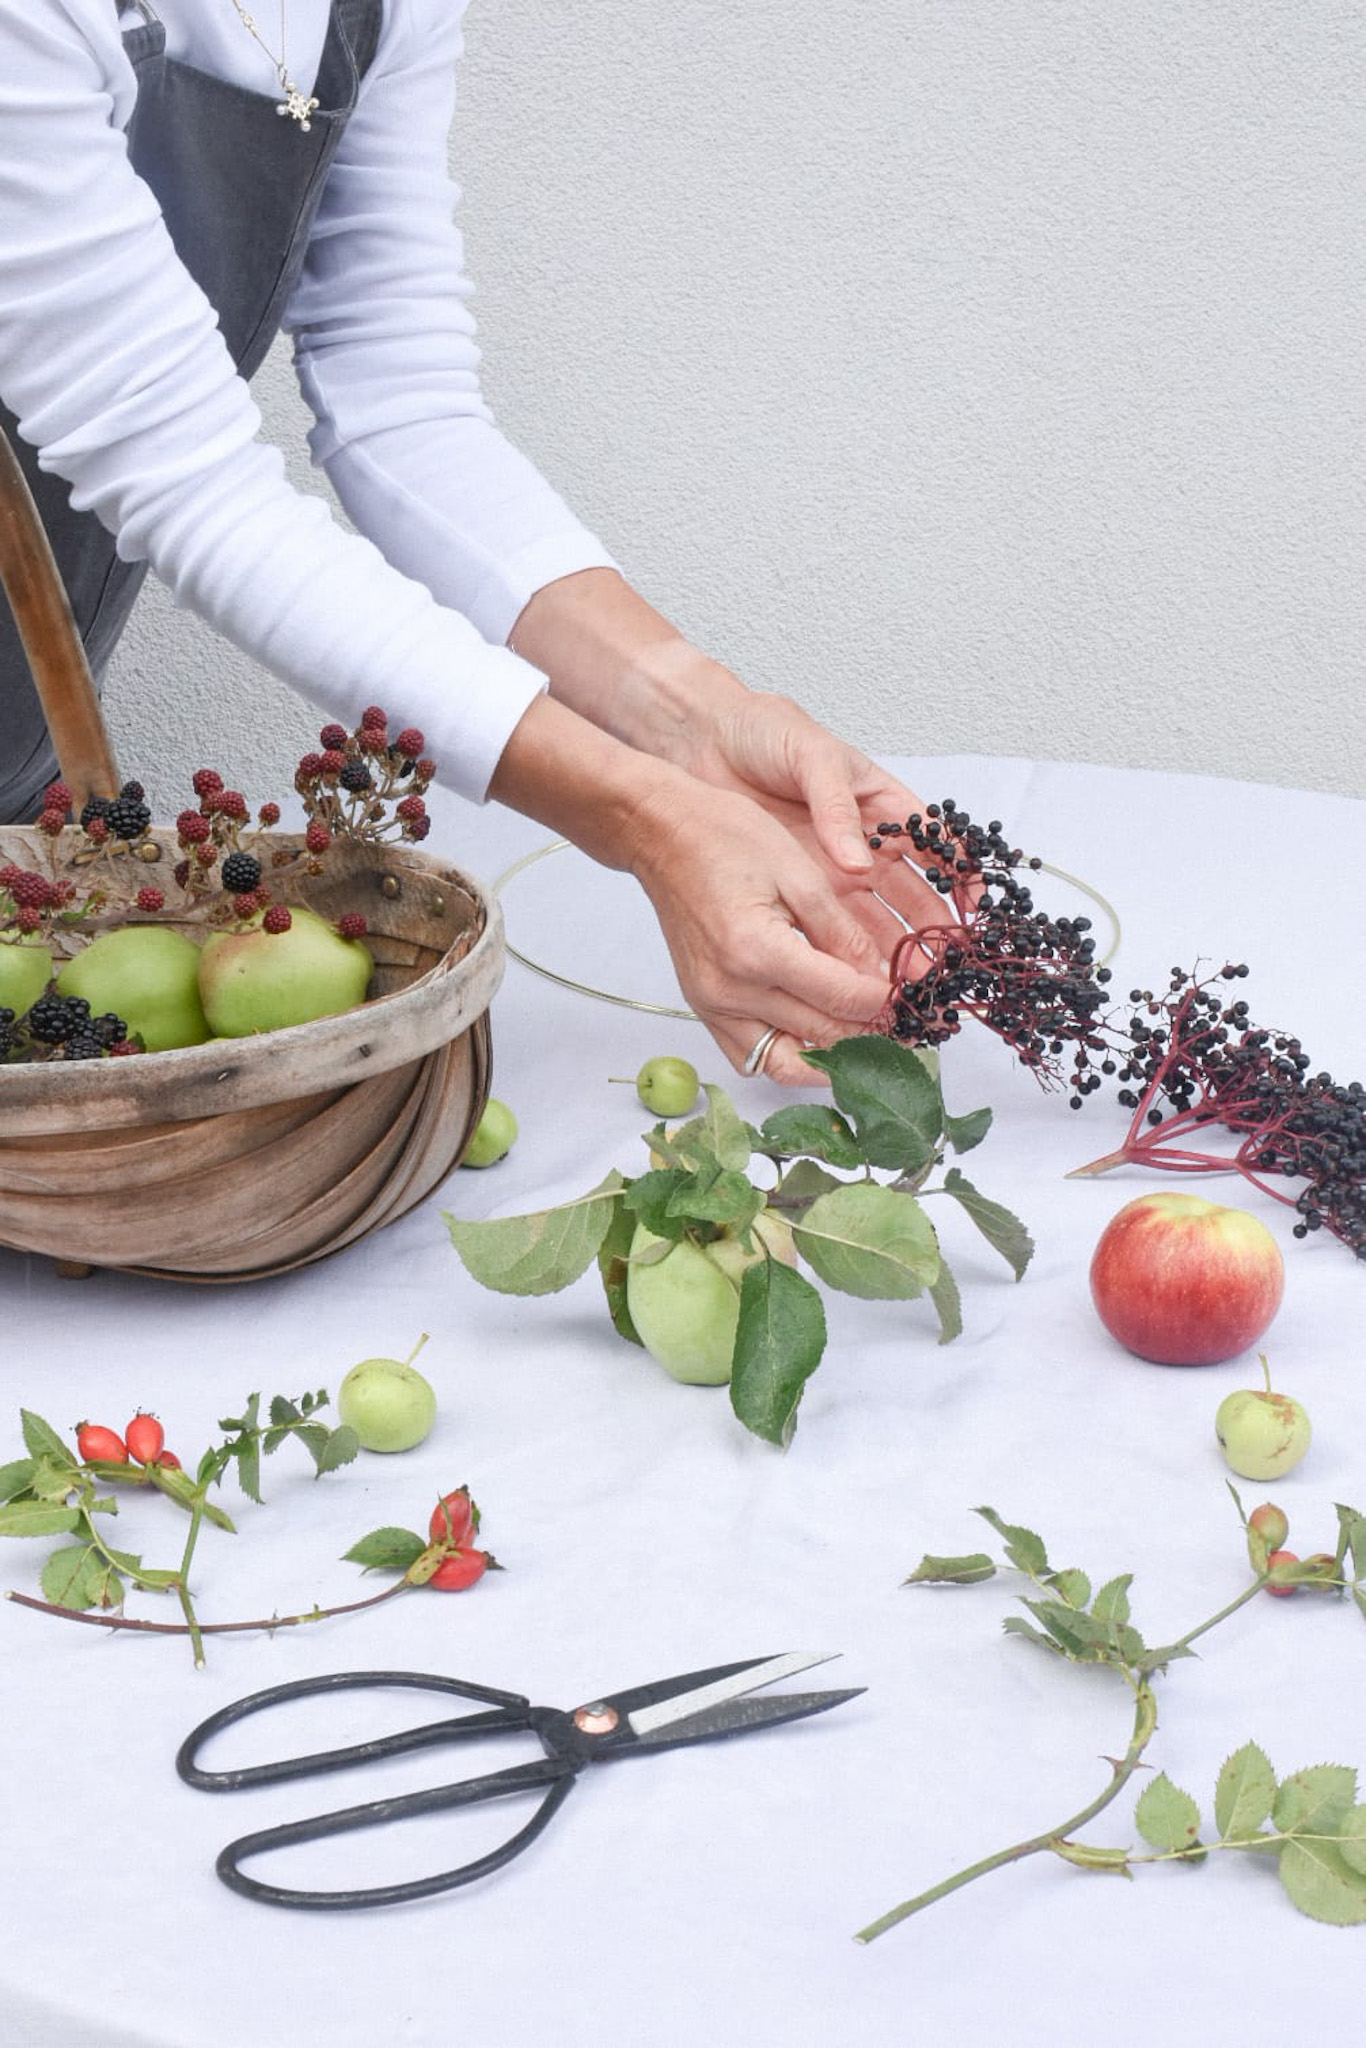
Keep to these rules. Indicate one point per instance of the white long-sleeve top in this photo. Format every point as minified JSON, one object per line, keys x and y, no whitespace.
{"x":111,"y":359}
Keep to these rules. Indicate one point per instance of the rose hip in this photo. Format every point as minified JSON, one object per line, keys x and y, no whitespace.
{"x":460,"y":1570}
{"x":145,"y":1439}
{"x":455,"y":1518}
{"x":101,"y":1446}
{"x":1281,"y":1557}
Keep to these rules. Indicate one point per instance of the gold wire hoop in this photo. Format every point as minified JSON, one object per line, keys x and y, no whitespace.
{"x":603,"y":995}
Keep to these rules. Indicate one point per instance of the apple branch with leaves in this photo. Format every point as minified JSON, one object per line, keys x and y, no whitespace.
{"x":1310,"y":1822}
{"x":862,"y":1236}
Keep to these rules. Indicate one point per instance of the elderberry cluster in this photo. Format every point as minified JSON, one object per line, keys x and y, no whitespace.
{"x":1029,"y":977}
{"x":1185,"y":1059}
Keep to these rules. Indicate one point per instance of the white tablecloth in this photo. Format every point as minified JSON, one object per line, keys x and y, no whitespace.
{"x":711,"y":1894}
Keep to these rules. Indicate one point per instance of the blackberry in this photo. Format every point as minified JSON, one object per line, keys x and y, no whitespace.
{"x":54,"y":1019}
{"x":8,"y":1038}
{"x":128,"y":817}
{"x":134,"y":791}
{"x":241,"y":872}
{"x":94,"y":807}
{"x":355,"y":776}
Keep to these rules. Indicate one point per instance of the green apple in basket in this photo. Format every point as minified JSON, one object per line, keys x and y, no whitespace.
{"x":261,"y":979}
{"x":148,"y":975}
{"x":25,"y":970}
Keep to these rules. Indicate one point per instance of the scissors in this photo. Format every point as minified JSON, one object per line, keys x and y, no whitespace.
{"x":699,"y":1706}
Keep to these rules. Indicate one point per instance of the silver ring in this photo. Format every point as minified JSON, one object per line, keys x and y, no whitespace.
{"x":759,"y":1051}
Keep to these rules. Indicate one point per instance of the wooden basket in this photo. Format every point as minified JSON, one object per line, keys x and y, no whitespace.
{"x":242,"y":1158}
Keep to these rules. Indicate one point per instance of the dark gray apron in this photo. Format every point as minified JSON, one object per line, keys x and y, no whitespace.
{"x":238,"y":185}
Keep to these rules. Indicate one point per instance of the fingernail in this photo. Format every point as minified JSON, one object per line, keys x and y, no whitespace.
{"x":854,"y":853}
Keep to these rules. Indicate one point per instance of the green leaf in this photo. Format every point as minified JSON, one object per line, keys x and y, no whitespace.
{"x":1077,"y":1633}
{"x":1157,"y":1660}
{"x":801,"y":1185}
{"x":1111,"y":1604}
{"x":1088,"y":1857}
{"x":43,"y":1441}
{"x":54,"y":1482}
{"x":964,"y":1132}
{"x":613,"y":1254}
{"x":541,"y":1253}
{"x":77,"y":1576}
{"x":870,"y":1241}
{"x":1322,"y":1883}
{"x":1003,"y":1231}
{"x":386,"y":1550}
{"x":339,"y":1447}
{"x":811,"y":1130}
{"x":1166,"y":1817}
{"x":1315,"y":1801}
{"x":889,"y":1096}
{"x":648,"y":1200}
{"x":1244,"y":1791}
{"x":727,"y":1198}
{"x":247,"y":1452}
{"x":952,"y":1571}
{"x":38,"y":1518}
{"x":16,"y":1477}
{"x":1352,"y":1538}
{"x":1352,"y":1840}
{"x":1014,"y":1626}
{"x":778,"y":1345}
{"x":1072,"y":1586}
{"x":948,"y":1302}
{"x":1024,"y":1549}
{"x":719,"y":1138}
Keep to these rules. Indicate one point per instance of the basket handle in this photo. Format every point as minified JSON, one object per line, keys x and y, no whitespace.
{"x":47,"y":629}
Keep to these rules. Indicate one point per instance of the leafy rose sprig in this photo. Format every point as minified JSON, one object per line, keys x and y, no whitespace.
{"x":864,"y":1236}
{"x":1311,"y":1822}
{"x":53,"y":1491}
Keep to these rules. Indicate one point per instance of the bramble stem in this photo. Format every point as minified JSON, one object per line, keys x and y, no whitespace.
{"x":205,"y":1628}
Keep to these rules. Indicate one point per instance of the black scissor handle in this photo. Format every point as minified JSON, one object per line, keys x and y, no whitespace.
{"x":558,"y":1774}
{"x":512,"y":1712}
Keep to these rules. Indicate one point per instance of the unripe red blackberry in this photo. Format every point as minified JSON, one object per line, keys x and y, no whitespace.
{"x":232,"y":804}
{"x":410,"y":742}
{"x":269,"y":814}
{"x":352,"y":925}
{"x":151,"y":899}
{"x":317,"y":838}
{"x":57,"y":797}
{"x":333,"y":736}
{"x":277,"y":918}
{"x":51,"y":823}
{"x":192,"y":828}
{"x":332,"y":762}
{"x":411,"y":807}
{"x":373,"y":716}
{"x":206,"y":781}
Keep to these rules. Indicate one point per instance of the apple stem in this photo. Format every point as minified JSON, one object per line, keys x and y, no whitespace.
{"x":416,"y":1348}
{"x":1266,"y":1370}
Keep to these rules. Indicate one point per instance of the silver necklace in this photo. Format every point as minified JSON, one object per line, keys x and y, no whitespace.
{"x":296,"y":104}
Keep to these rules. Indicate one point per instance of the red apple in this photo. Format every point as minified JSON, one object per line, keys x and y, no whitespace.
{"x":1185,"y":1282}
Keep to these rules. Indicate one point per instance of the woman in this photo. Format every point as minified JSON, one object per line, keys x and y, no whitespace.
{"x":175,"y":187}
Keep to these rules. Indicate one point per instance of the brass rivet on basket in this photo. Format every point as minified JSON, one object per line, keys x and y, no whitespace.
{"x":390,"y":886}
{"x":438,"y":906}
{"x":149,"y":850}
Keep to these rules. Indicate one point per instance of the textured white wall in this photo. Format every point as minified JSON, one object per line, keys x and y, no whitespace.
{"x":987,"y":373}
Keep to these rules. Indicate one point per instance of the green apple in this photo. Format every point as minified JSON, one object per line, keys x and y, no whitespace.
{"x":667,"y":1085}
{"x":1263,"y":1435}
{"x":494,"y":1136}
{"x":256,"y":980}
{"x":686,"y":1305}
{"x":148,"y":975}
{"x":388,"y":1403}
{"x":25,"y":971}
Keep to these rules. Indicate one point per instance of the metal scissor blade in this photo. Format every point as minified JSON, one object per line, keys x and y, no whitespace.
{"x":746,"y":1678}
{"x":736,"y":1717}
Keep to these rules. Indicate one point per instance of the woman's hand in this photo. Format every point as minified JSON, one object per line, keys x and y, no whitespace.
{"x":828,"y":796}
{"x":758,"y":937}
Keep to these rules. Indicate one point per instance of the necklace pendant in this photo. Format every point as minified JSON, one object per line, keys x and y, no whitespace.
{"x":297,"y":105}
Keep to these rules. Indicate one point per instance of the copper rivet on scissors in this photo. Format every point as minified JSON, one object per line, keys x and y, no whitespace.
{"x":597,"y":1719}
